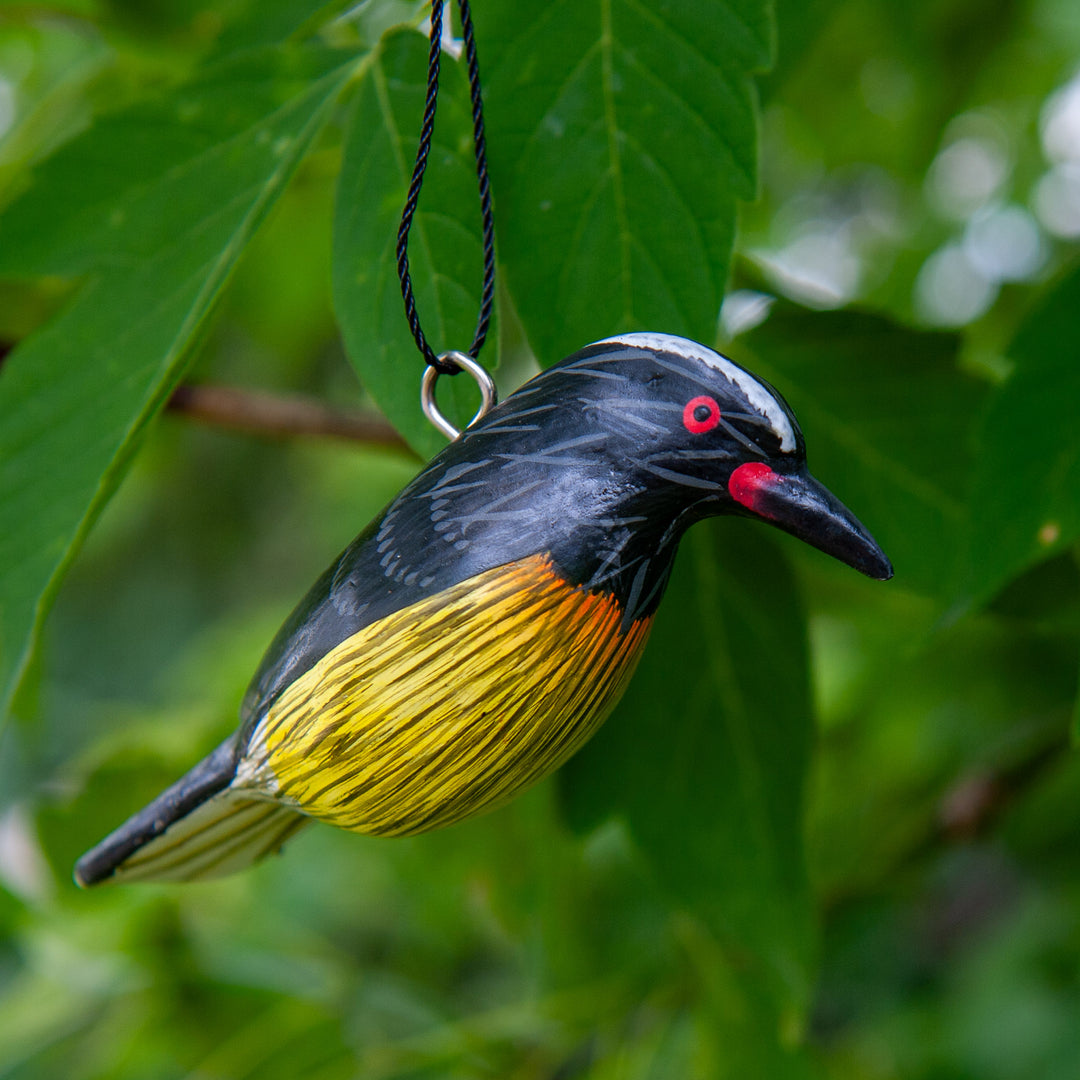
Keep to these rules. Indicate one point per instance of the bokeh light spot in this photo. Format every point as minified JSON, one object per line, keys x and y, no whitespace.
{"x":950,"y":291}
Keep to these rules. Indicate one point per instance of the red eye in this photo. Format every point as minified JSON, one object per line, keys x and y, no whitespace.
{"x":700,"y":415}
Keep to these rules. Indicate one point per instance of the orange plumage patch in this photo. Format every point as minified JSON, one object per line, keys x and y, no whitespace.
{"x":449,"y":707}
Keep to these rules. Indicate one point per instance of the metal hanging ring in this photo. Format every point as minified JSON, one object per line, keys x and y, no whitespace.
{"x":488,"y":396}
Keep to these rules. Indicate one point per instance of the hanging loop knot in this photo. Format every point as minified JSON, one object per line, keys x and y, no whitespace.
{"x":457,"y":361}
{"x":450,"y":363}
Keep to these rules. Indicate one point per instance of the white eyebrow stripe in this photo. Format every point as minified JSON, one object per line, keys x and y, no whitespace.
{"x":756,"y":394}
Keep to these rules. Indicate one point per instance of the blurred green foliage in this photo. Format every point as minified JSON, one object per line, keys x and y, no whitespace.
{"x":833,"y":829}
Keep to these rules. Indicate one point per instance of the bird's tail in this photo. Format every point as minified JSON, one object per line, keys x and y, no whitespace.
{"x":201,"y":827}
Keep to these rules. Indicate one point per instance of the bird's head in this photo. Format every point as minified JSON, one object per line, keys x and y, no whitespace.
{"x":698,"y":429}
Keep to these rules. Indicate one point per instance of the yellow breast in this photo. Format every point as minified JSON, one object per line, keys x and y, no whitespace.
{"x":448,"y":707}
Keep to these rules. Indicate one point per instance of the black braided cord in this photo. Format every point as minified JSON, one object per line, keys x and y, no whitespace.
{"x":422,"y":151}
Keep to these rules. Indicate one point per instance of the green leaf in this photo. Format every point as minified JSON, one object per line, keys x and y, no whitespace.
{"x":1026,"y":490}
{"x":1074,"y":723}
{"x":886,"y":415}
{"x":621,"y":133}
{"x":268,"y":22}
{"x":119,"y":194}
{"x":199,"y":174}
{"x":799,"y":24}
{"x":706,"y":756}
{"x":445,"y":253}
{"x":272,"y":22}
{"x":59,"y":64}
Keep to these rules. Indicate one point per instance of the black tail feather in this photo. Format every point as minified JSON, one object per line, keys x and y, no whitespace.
{"x":212,"y":775}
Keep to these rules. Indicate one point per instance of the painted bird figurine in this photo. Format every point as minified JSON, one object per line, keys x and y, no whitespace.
{"x":478,"y":632}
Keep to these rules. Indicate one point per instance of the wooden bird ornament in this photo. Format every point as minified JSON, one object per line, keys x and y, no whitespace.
{"x":480,"y":630}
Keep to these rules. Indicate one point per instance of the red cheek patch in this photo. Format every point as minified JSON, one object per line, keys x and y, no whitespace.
{"x":749,"y":481}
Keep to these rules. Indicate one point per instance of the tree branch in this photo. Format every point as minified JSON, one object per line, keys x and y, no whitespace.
{"x":277,"y":417}
{"x":975,"y":802}
{"x":967,"y":809}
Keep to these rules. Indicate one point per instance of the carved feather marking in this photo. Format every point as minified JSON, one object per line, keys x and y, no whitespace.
{"x":452,"y":706}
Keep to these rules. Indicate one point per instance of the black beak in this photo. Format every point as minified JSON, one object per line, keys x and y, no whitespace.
{"x":798,"y":504}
